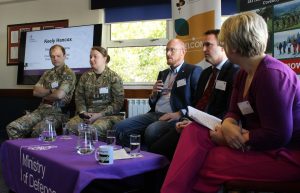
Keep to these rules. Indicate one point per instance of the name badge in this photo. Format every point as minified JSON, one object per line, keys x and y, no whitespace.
{"x":221,"y":85}
{"x":245,"y":107}
{"x":54,"y":84}
{"x":103,"y":90}
{"x":181,"y":82}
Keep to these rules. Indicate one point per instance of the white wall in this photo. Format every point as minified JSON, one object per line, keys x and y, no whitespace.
{"x":76,"y":11}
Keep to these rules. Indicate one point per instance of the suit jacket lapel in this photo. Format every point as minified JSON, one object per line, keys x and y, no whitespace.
{"x":223,"y":71}
{"x":180,"y":73}
{"x":165,"y":74}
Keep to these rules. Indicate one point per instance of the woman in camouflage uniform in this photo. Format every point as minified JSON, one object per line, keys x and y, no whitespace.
{"x":99,"y":95}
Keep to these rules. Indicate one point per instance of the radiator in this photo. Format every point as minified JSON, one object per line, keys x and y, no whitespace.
{"x":137,"y":106}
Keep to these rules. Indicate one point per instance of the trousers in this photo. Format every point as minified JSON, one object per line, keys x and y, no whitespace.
{"x":31,"y":124}
{"x":148,"y":125}
{"x":102,"y":124}
{"x":199,"y":165}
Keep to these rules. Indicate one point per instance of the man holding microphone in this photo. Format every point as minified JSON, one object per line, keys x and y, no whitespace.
{"x":174,"y":90}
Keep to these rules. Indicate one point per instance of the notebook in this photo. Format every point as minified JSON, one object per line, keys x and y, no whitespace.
{"x":203,"y":118}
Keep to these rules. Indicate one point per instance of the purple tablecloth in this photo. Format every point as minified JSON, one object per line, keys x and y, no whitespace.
{"x":29,"y":166}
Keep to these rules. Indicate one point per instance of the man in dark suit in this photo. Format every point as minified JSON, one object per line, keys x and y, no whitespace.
{"x":213,"y":91}
{"x":173,"y":91}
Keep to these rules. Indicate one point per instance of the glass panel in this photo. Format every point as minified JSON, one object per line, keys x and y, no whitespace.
{"x":139,"y":30}
{"x":138,"y":64}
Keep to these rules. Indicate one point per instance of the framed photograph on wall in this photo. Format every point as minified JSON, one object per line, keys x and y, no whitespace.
{"x":14,"y":31}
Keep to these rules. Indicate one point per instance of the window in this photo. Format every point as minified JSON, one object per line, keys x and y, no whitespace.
{"x":139,"y":30}
{"x":137,"y":49}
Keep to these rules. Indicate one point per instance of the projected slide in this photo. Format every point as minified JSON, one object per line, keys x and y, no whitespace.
{"x":76,"y":40}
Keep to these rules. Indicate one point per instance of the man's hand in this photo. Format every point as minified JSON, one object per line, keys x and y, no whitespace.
{"x":170,"y":116}
{"x":66,"y":99}
{"x":90,"y":118}
{"x":157,"y":87}
{"x":182,"y":124}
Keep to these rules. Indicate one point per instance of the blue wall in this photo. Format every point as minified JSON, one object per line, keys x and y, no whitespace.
{"x":229,"y":7}
{"x":140,"y":12}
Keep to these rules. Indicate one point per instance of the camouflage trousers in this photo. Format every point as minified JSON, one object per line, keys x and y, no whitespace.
{"x":102,"y":124}
{"x":31,"y":124}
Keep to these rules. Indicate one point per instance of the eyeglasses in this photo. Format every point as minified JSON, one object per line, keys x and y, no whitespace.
{"x":172,"y":50}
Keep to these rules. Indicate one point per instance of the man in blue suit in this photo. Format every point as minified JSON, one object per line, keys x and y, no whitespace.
{"x":173,"y":91}
{"x":214,"y":102}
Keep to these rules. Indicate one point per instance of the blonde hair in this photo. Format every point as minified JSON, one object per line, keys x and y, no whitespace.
{"x":246,"y":32}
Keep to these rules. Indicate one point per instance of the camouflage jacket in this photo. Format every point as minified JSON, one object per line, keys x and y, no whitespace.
{"x":63,"y":78}
{"x":104,"y":94}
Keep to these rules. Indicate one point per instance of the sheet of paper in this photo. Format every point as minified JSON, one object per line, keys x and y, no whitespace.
{"x":122,"y":154}
{"x":203,"y":118}
{"x":14,"y":52}
{"x":14,"y":37}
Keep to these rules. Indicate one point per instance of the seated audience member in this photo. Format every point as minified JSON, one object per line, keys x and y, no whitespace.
{"x":259,"y":138}
{"x":55,"y":87}
{"x":213,"y":91}
{"x":99,"y":95}
{"x":174,"y":89}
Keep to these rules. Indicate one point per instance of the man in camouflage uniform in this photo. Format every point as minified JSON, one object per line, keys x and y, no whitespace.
{"x":55,"y":87}
{"x":99,"y":96}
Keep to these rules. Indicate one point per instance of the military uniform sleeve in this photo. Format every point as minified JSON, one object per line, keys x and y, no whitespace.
{"x":68,"y":82}
{"x":41,"y":81}
{"x":79,"y":95}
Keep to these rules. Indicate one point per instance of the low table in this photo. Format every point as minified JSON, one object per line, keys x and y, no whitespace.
{"x":30,"y":165}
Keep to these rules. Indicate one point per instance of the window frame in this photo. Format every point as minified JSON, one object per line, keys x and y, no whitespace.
{"x":108,"y":43}
{"x":136,"y":42}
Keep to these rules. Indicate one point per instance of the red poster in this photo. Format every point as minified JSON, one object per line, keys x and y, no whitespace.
{"x":293,"y":63}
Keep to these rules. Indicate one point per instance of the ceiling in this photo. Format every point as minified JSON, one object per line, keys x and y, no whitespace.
{"x":3,"y":2}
